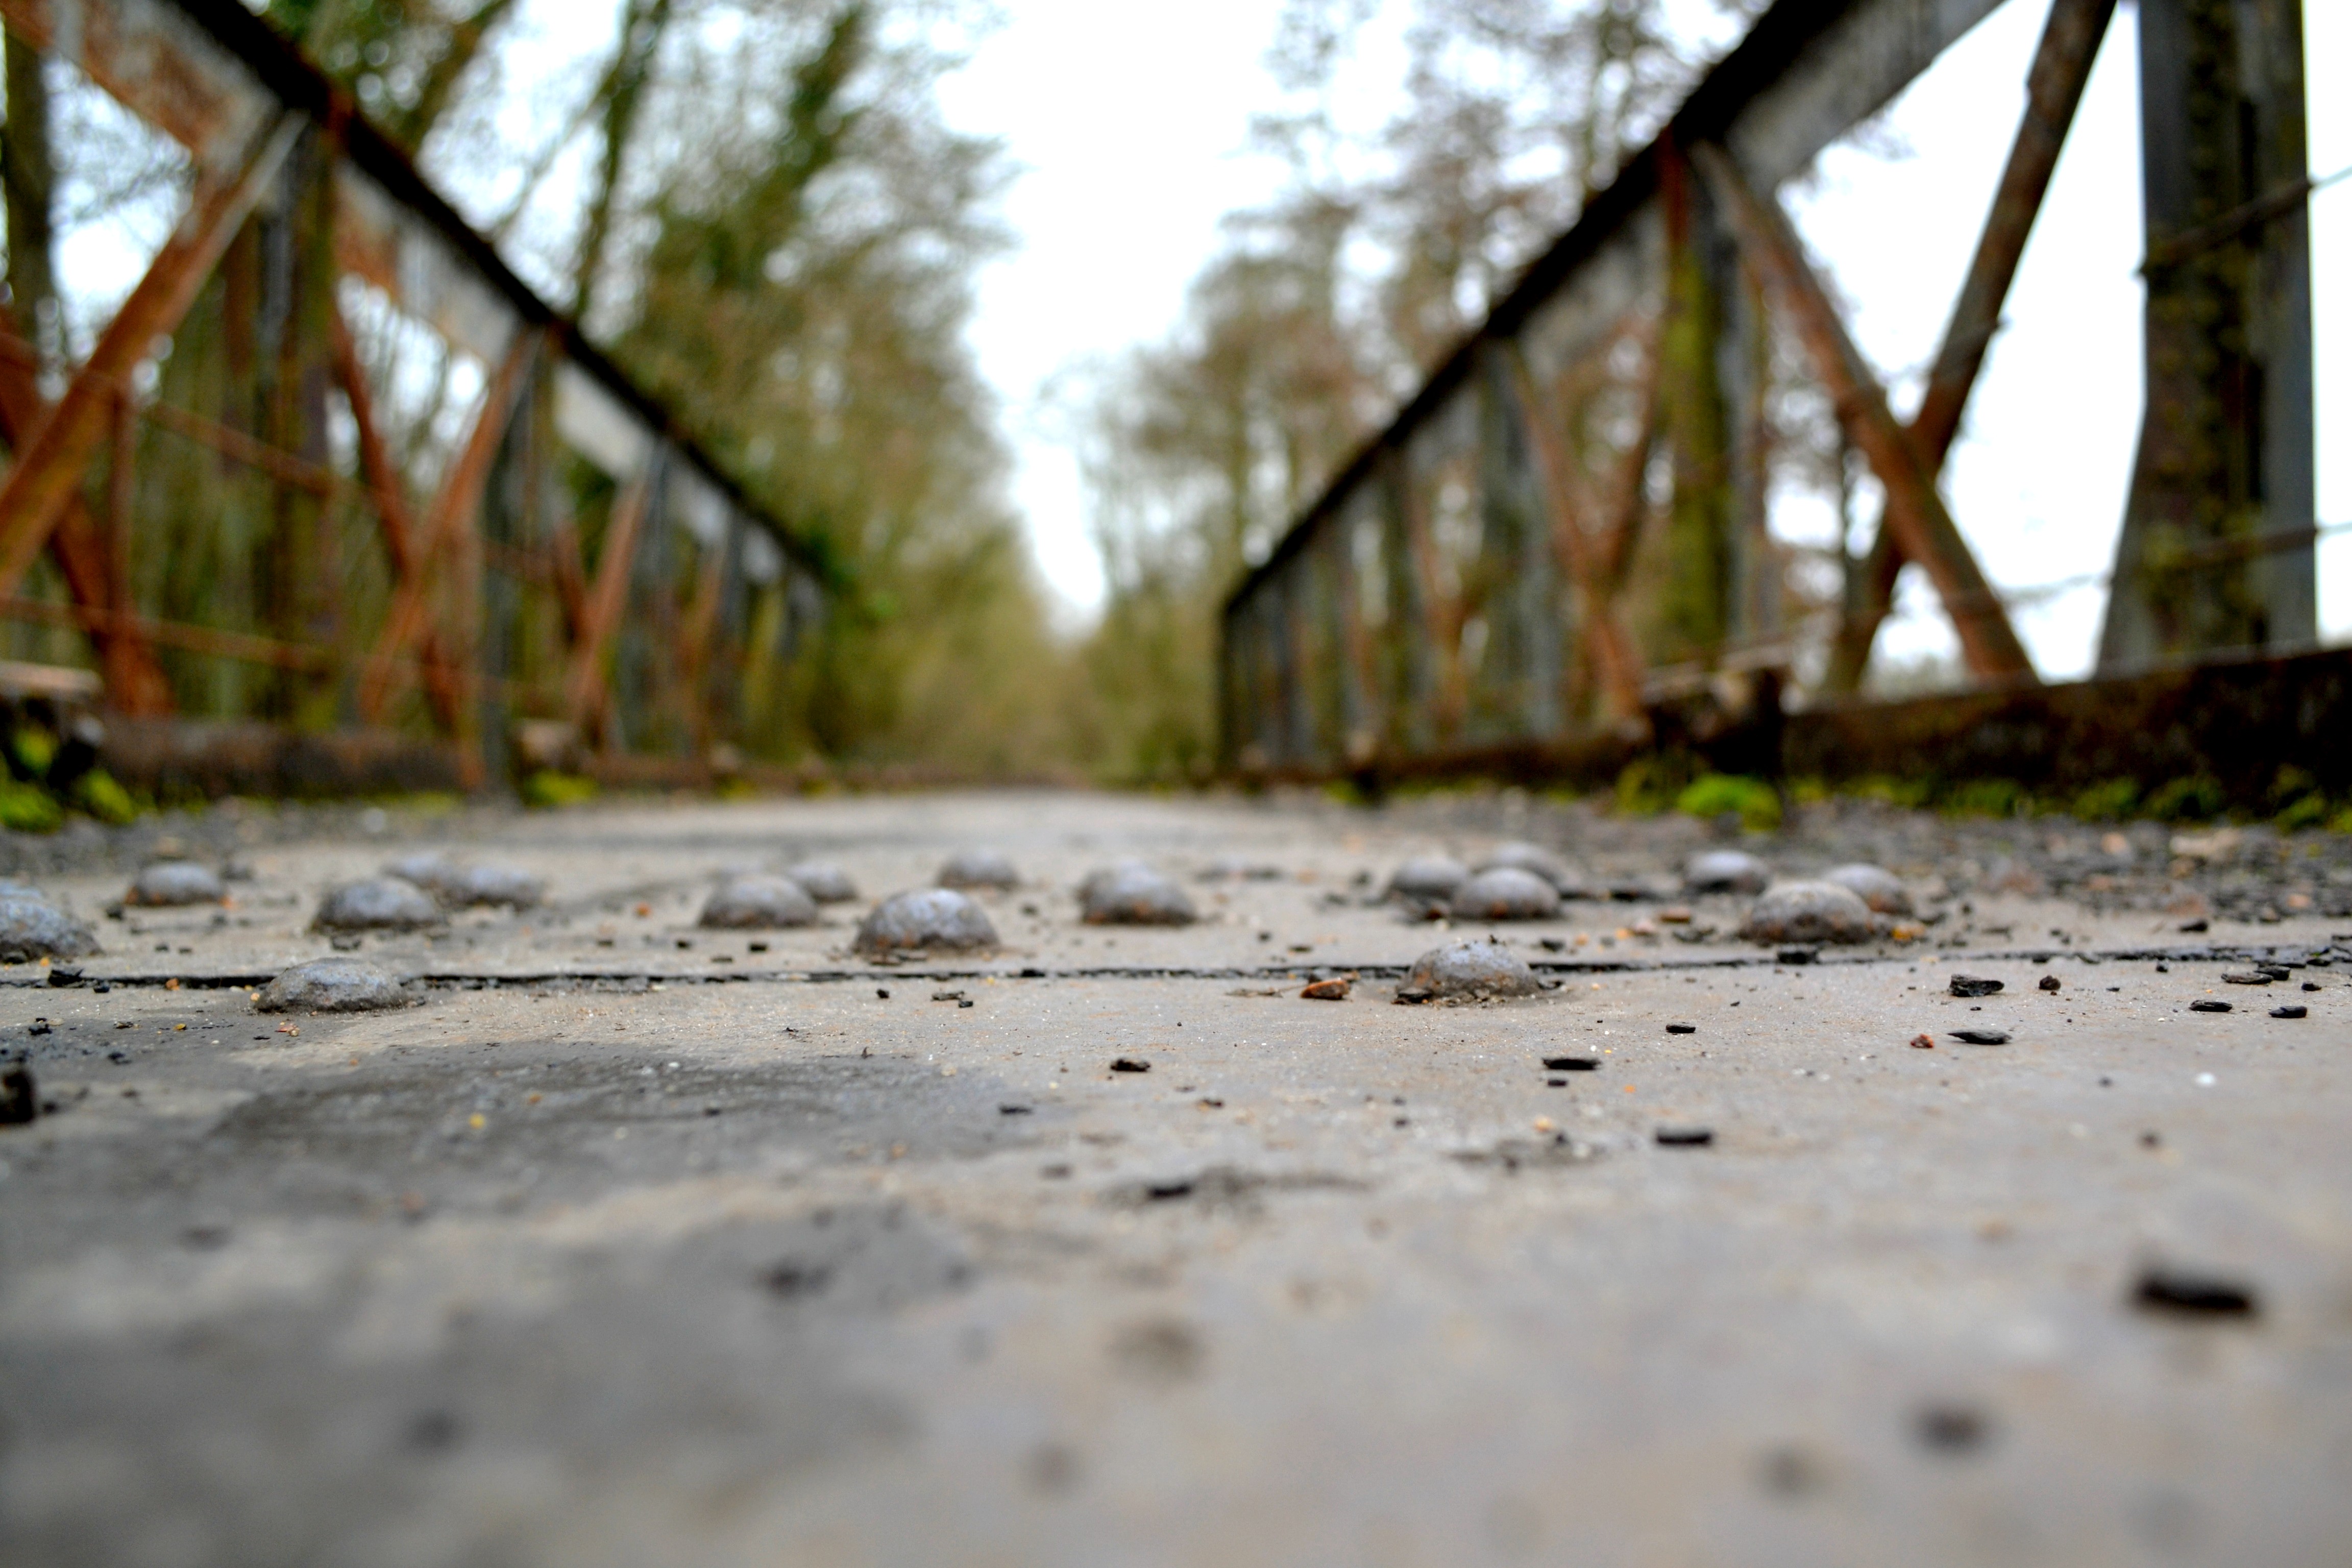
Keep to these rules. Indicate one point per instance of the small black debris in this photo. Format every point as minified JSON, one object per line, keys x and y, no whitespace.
{"x":1016,"y":1109}
{"x":2279,"y":970}
{"x":64,"y":974}
{"x":2246,"y":978}
{"x":2196,"y":927}
{"x":1166,"y":1192}
{"x":883,"y":992}
{"x":120,"y":1058}
{"x":1129,"y":1063}
{"x":2295,"y":1010}
{"x":965,"y":1002}
{"x":946,"y":995}
{"x":2191,"y":1294}
{"x":1795,"y":956}
{"x":793,"y":1279}
{"x":19,"y":1101}
{"x":1571,"y":1064}
{"x":102,"y":988}
{"x":1686,"y":1137}
{"x":1981,"y":1036}
{"x":39,"y":1026}
{"x":1974,"y":985}
{"x":1682,"y":1028}
{"x":435,"y":1432}
{"x":1032,"y":974}
{"x":2208,"y":1006}
{"x":2151,"y":1139}
{"x":2050,"y":983}
{"x":759,"y":947}
{"x":1952,"y":1429}
{"x":2311,"y":985}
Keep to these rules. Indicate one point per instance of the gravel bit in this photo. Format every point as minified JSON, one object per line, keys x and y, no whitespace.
{"x":1327,"y":991}
{"x":2292,"y":1010}
{"x":1877,"y":887}
{"x":1468,"y":969}
{"x":825,"y":881}
{"x":1725,"y":871}
{"x":2189,"y":1293}
{"x":1133,"y":894}
{"x":759,"y":902}
{"x":384,"y":903}
{"x":1571,"y":1064}
{"x":1923,"y":1042}
{"x":1565,"y":879}
{"x":1505,"y":893}
{"x":33,"y":929}
{"x":20,"y":1101}
{"x":979,"y":868}
{"x":1975,"y":985}
{"x":1428,"y":880}
{"x":1981,"y":1036}
{"x":335,"y":986}
{"x":2208,"y":1006}
{"x":169,"y":884}
{"x":2242,"y":977}
{"x":461,"y":885}
{"x":1686,"y":1137}
{"x":931,"y":917}
{"x":1813,"y":912}
{"x":1129,"y":1063}
{"x":1682,"y":1028}
{"x":2049,"y":982}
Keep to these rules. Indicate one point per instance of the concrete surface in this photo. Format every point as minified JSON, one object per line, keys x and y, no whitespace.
{"x":614,"y":1253}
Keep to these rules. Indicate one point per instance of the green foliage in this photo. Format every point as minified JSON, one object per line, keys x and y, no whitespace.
{"x":1643,"y":790}
{"x":2198,"y":798}
{"x":29,"y":808}
{"x":31,"y":748}
{"x":548,"y":790}
{"x":1711,"y":795}
{"x":2307,"y":811}
{"x":1910,"y":793}
{"x":96,"y":793}
{"x":2342,"y":822}
{"x":1988,"y":797}
{"x":2109,"y":802}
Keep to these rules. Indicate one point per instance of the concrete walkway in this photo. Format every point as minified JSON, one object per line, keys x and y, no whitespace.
{"x":622,"y":1250}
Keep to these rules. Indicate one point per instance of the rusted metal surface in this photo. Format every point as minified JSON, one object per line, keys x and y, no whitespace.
{"x":1914,"y":509}
{"x":2226,"y":444}
{"x":1658,"y":459}
{"x":2053,"y":89}
{"x":2235,"y":722}
{"x":49,"y":470}
{"x":176,"y":759}
{"x":478,"y":596}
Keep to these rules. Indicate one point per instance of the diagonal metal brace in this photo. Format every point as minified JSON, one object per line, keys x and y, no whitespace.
{"x":1914,"y":509}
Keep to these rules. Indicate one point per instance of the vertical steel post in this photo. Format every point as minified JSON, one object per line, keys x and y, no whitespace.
{"x":2225,"y":451}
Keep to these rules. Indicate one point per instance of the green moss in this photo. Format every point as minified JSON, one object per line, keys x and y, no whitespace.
{"x":29,"y":808}
{"x":2195,"y":799}
{"x":96,"y":793}
{"x":1758,"y":805}
{"x":1988,"y":797}
{"x":2308,"y":812}
{"x":2342,"y":823}
{"x":1908,"y":793}
{"x":548,"y":790}
{"x":2109,"y":802}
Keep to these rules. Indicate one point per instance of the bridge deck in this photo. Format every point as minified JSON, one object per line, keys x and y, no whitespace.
{"x":614,"y":1262}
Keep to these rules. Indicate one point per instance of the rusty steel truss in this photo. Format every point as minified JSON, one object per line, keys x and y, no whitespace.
{"x":571,"y":571}
{"x":1563,"y":536}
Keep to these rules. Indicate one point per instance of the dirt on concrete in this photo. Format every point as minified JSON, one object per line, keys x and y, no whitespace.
{"x":638,"y":1242}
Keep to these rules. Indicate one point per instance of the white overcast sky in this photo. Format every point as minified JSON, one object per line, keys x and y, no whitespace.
{"x":1132,"y":122}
